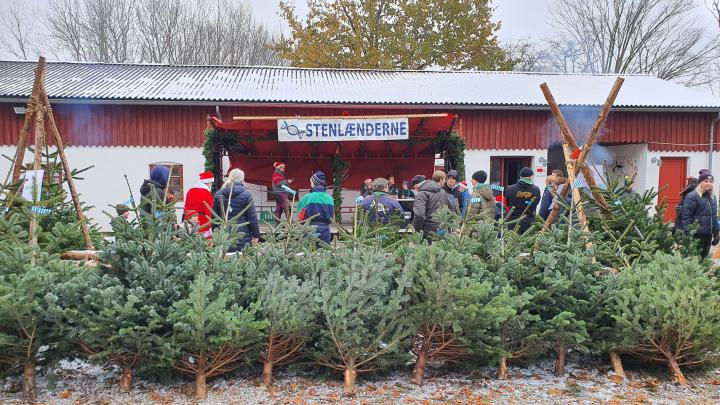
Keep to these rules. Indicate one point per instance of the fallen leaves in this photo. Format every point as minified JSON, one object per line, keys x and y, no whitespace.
{"x":65,"y":394}
{"x":617,"y":379}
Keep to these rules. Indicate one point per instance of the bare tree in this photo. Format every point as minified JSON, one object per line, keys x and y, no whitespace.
{"x":659,"y":37}
{"x":17,"y":34}
{"x":714,"y":7}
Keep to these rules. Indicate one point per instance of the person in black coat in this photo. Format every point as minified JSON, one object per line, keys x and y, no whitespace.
{"x":523,"y":198}
{"x":152,"y":192}
{"x":234,"y":202}
{"x":700,"y":206}
{"x":692,"y":184}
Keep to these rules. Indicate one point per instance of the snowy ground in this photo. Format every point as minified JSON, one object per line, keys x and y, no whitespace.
{"x":79,"y":383}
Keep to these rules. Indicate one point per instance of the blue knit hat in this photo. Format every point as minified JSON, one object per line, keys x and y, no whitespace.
{"x":318,"y":179}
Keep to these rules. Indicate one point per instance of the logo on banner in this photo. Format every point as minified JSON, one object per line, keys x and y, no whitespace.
{"x":338,"y":130}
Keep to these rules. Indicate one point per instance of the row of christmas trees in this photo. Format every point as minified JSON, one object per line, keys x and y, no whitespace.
{"x":161,"y":299}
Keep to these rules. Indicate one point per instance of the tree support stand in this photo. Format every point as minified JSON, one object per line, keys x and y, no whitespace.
{"x":39,"y":108}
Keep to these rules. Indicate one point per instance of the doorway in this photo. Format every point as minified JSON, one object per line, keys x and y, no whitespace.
{"x":673,"y":177}
{"x":504,"y":170}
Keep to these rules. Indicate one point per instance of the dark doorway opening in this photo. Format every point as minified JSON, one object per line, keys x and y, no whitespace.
{"x":556,"y":158}
{"x":505,"y":170}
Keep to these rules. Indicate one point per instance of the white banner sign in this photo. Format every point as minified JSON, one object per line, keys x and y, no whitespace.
{"x":338,"y":130}
{"x":33,"y":184}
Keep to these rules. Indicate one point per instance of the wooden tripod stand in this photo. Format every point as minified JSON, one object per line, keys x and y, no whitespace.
{"x":39,"y":110}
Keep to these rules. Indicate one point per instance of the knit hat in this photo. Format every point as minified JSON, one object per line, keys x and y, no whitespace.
{"x":453,"y":174}
{"x":417,"y":179}
{"x":526,"y":172}
{"x":480,"y":176}
{"x":704,"y":175}
{"x":121,"y":209}
{"x":278,"y":164}
{"x":318,"y":179}
{"x":207,"y":177}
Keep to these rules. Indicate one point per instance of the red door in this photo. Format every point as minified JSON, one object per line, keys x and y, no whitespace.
{"x":673,"y":177}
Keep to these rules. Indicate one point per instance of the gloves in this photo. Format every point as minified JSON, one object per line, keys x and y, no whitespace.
{"x":716,"y":239}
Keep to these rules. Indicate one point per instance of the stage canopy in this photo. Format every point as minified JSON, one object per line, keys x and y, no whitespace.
{"x":310,"y":143}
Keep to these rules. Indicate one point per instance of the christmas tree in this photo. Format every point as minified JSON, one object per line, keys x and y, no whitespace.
{"x":455,"y":307}
{"x":565,"y":289}
{"x":31,"y":285}
{"x":288,"y":306}
{"x":361,"y":294}
{"x":212,"y":334}
{"x":668,"y":310}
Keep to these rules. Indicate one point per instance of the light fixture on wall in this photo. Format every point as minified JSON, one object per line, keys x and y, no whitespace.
{"x":19,"y":110}
{"x":656,"y":161}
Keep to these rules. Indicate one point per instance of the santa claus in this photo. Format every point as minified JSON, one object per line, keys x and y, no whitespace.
{"x":198,"y":203}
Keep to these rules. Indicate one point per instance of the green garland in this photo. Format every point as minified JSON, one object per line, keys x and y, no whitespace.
{"x":213,"y":139}
{"x":452,"y":147}
{"x":339,"y":168}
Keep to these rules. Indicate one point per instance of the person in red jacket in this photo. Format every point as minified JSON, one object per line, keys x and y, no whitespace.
{"x":199,"y":201}
{"x":280,"y":187}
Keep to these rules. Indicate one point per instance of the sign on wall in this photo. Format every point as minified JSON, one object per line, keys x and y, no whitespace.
{"x":338,"y":130}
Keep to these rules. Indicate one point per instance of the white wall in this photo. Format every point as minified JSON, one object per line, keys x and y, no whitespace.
{"x":105,"y":184}
{"x":479,"y":159}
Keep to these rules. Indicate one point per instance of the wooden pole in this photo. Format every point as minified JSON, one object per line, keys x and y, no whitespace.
{"x":30,"y":109}
{"x":571,"y":164}
{"x":602,"y":117}
{"x":66,"y":168}
{"x":37,"y":165}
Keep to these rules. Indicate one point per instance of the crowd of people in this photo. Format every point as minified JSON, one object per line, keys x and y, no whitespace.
{"x":416,"y":202}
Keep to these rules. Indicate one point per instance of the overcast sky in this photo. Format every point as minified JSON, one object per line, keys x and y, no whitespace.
{"x":520,"y":18}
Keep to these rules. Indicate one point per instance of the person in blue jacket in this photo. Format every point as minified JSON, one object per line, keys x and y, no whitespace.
{"x":318,"y":207}
{"x":700,"y":206}
{"x":380,"y":206}
{"x":466,"y":197}
{"x":234,"y":202}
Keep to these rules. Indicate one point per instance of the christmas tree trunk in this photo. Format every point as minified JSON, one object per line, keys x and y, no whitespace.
{"x":29,"y":381}
{"x":126,"y":379}
{"x":418,"y":373}
{"x":560,"y":361}
{"x":617,"y":363}
{"x":502,"y":368}
{"x":349,"y":382}
{"x":678,"y":376}
{"x":279,"y":350}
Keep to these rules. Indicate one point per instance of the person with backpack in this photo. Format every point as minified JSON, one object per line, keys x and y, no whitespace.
{"x":380,"y":206}
{"x":700,"y":207}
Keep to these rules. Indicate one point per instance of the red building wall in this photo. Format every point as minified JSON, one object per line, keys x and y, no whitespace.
{"x":140,"y":125}
{"x":663,"y":131}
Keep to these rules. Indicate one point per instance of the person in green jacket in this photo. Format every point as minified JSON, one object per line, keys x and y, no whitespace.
{"x":482,"y":204}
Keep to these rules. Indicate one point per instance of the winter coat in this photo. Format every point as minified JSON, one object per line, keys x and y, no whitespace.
{"x":701,"y":209}
{"x":152,"y":191}
{"x":428,"y":200}
{"x":278,"y":181}
{"x":406,"y":193}
{"x":385,"y":206}
{"x":319,"y":206}
{"x":456,"y":193}
{"x":238,"y":206}
{"x":199,"y":201}
{"x":466,"y":197}
{"x":523,"y":198}
{"x":483,"y":205}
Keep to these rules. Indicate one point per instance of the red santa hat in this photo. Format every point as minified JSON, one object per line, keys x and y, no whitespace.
{"x":207,"y":177}
{"x":278,"y":164}
{"x":462,"y":184}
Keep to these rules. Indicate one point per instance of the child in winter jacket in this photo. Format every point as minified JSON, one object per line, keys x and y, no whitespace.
{"x":318,"y":207}
{"x":380,"y":206}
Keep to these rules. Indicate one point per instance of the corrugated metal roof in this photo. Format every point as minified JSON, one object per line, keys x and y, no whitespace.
{"x":170,"y":83}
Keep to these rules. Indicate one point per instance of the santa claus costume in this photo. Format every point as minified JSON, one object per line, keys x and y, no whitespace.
{"x":199,"y":201}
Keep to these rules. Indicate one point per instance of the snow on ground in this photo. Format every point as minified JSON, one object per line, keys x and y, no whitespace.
{"x":77,"y":382}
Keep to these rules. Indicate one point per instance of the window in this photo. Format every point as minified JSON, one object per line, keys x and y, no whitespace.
{"x":175,"y":183}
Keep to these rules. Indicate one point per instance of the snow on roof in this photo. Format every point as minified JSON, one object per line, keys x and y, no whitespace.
{"x":237,"y":84}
